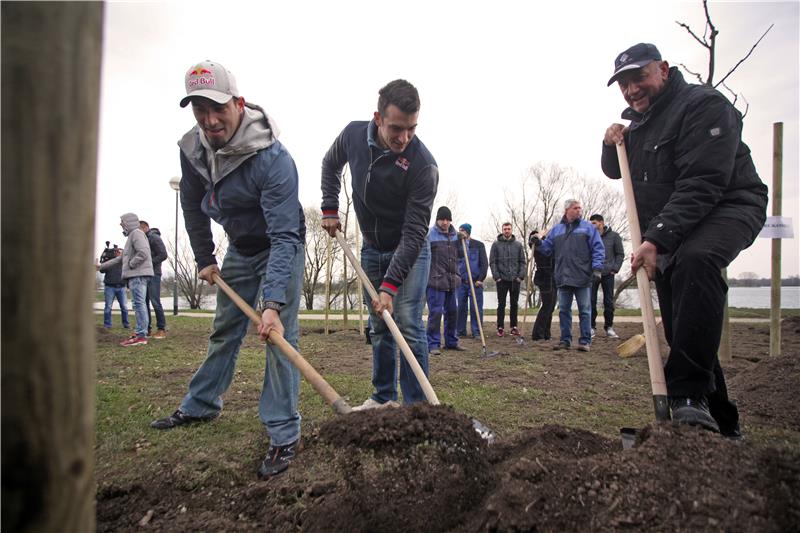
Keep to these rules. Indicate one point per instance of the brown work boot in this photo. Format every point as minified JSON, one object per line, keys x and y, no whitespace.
{"x":160,"y":334}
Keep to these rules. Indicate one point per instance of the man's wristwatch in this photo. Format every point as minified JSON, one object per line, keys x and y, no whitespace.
{"x":275,"y":306}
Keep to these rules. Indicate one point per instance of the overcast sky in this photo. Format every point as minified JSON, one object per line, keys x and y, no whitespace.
{"x":503,"y":85}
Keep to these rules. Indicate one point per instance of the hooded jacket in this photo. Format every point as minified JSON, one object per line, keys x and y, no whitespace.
{"x":687,"y":158}
{"x":578,"y":251}
{"x":392,"y":194}
{"x":507,"y":259}
{"x":249,"y":186}
{"x":615,"y":253}
{"x":136,"y":259}
{"x":157,"y":249}
{"x":444,"y":259}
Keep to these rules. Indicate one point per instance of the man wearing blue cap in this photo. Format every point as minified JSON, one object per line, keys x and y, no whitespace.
{"x":700,"y":202}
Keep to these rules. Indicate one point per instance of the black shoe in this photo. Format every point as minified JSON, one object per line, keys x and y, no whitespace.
{"x":692,"y":411}
{"x":561,"y":346}
{"x":179,"y":418}
{"x":277,"y":460}
{"x":456,"y":348}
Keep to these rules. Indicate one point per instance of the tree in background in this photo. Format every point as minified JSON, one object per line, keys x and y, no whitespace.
{"x":190,"y":286}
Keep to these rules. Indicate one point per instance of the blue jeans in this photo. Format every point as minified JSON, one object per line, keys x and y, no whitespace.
{"x":408,"y":305}
{"x":442,"y":303}
{"x":154,"y":297}
{"x":278,"y":407}
{"x":583,"y":297}
{"x":110,"y":294}
{"x":138,"y":287}
{"x":465,"y":303}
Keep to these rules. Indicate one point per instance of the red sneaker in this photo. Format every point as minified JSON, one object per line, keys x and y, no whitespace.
{"x":134,"y":340}
{"x":500,"y":332}
{"x":515,"y":331}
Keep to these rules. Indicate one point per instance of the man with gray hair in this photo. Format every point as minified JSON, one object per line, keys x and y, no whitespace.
{"x":237,"y":173}
{"x":579,"y":258}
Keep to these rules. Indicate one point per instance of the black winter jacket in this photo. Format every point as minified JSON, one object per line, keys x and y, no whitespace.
{"x":615,"y":253}
{"x":392,"y":194}
{"x":507,"y":259}
{"x":157,"y":250}
{"x":687,"y":158}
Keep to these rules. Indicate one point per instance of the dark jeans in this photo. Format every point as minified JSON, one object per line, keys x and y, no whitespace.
{"x":691,"y":295}
{"x":544,"y":318}
{"x":154,"y":297}
{"x":607,"y":282}
{"x":442,"y":304}
{"x":503,"y":288}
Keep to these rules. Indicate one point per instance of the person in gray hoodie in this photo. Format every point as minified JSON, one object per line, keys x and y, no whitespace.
{"x":237,"y":173}
{"x":507,"y":261}
{"x":137,"y":268}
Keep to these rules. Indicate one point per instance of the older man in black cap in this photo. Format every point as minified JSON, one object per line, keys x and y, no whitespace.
{"x":700,"y":202}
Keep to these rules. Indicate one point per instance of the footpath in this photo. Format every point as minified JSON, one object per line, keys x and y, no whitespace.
{"x":487,"y":318}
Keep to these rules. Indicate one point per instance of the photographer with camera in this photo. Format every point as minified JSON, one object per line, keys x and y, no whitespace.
{"x":113,"y":287}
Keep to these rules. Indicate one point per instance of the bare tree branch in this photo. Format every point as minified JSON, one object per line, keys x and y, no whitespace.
{"x":745,"y":57}
{"x":702,"y":42}
{"x":695,"y":74}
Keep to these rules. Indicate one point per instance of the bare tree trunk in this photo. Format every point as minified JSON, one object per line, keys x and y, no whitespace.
{"x":50,"y":93}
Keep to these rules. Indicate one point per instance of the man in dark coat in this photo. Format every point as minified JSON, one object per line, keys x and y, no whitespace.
{"x":700,"y":202}
{"x":615,"y":255}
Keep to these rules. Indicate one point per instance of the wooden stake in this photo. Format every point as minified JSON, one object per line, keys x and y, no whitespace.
{"x":777,"y":198}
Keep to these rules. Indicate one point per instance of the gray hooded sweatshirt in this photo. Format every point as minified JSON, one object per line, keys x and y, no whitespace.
{"x":136,"y":259}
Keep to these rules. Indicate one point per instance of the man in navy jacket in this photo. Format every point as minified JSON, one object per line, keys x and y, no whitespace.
{"x":579,"y":258}
{"x":479,"y":265}
{"x":394,"y":182}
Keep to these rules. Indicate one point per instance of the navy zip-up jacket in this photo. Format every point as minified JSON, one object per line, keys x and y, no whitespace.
{"x":444,"y":259}
{"x":578,"y":251}
{"x":478,"y":262}
{"x":392,"y":194}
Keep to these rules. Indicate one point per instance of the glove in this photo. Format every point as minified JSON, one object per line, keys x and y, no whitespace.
{"x":596,"y":276}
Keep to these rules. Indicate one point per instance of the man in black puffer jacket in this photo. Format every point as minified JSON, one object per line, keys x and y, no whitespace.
{"x":700,"y":202}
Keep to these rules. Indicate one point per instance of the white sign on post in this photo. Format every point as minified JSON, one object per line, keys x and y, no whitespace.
{"x":777,"y":228}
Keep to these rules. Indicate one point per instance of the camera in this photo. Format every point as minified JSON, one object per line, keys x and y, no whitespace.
{"x":108,"y":253}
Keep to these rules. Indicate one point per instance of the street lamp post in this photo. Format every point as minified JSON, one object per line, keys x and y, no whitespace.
{"x":175,"y":183}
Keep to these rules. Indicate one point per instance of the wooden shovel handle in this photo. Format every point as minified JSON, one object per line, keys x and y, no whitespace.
{"x":387,"y":317}
{"x":658,"y":383}
{"x":312,"y":376}
{"x":472,"y":290}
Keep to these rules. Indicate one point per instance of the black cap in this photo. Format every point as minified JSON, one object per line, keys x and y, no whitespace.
{"x":634,"y":57}
{"x":444,"y":214}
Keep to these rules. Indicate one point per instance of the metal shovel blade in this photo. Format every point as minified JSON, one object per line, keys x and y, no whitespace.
{"x":485,"y":353}
{"x":486,"y":434}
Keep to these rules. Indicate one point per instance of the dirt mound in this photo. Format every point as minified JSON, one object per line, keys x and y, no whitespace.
{"x":423,"y":465}
{"x":768,"y":391}
{"x":673,"y":480}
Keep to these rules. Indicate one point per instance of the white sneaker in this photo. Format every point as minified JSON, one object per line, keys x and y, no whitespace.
{"x":611,"y":333}
{"x":593,"y":333}
{"x":369,"y":403}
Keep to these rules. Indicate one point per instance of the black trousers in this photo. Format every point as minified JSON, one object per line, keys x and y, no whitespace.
{"x":607,"y":282}
{"x":544,"y":318}
{"x":503,"y":288}
{"x":691,"y":295}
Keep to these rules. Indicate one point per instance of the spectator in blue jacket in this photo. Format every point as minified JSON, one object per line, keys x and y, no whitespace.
{"x":159,"y":255}
{"x":479,"y":265}
{"x":579,"y":258}
{"x":237,"y":173}
{"x":443,"y":281}
{"x":394,"y":181}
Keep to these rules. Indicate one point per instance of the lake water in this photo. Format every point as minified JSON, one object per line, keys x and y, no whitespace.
{"x":754,"y":297}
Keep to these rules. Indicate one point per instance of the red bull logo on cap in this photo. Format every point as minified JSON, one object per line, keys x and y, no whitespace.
{"x":200,"y":76}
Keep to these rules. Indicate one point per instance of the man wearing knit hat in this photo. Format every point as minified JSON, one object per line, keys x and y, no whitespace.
{"x":237,"y":173}
{"x":443,"y":282}
{"x":479,"y":266}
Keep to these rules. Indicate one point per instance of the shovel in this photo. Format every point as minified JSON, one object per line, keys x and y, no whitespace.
{"x":658,"y":383}
{"x":484,"y":353}
{"x":312,"y":376}
{"x":632,"y":345}
{"x":486,"y":434}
